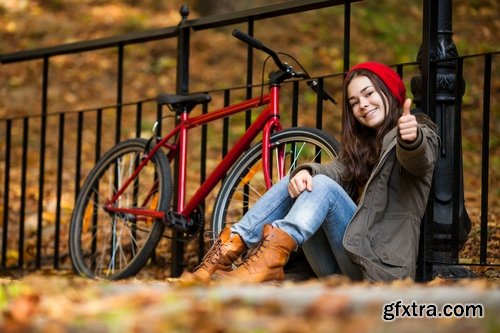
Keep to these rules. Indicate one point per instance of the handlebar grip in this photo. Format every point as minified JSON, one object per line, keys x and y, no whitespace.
{"x":248,"y":39}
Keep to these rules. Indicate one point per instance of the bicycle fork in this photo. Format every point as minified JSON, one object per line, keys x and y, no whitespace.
{"x":272,"y":126}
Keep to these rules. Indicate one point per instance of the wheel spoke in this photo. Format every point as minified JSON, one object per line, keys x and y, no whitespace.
{"x":116,"y":245}
{"x":245,"y":185}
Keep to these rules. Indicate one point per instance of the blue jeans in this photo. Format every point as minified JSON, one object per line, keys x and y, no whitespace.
{"x":316,"y":220}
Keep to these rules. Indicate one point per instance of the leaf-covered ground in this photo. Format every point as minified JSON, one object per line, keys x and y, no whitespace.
{"x":40,"y":303}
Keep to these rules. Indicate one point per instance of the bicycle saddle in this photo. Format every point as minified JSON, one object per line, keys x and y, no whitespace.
{"x":182,"y":102}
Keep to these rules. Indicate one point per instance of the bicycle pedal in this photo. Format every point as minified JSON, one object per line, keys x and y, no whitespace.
{"x":177,"y":221}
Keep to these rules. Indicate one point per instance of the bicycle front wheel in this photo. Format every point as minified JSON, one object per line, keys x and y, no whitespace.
{"x":245,"y":183}
{"x":117,"y":245}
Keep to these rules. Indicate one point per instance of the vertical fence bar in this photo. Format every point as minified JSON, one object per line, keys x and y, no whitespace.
{"x":138,"y":127}
{"x":225,"y":126}
{"x":38,"y":260}
{"x":347,"y":34}
{"x":203,"y":177}
{"x":399,"y":70}
{"x":319,"y":104}
{"x":295,"y":104}
{"x":248,"y":114}
{"x":158,"y":120}
{"x":22,"y":211}
{"x":97,"y":155}
{"x":119,"y":93}
{"x":428,"y":93}
{"x":78,"y":161}
{"x":135,"y":196}
{"x":183,"y":54}
{"x":138,"y":120}
{"x":60,"y":166}
{"x":158,"y":129}
{"x":98,"y":135}
{"x":456,"y":162}
{"x":319,"y":113}
{"x":485,"y":159}
{"x":41,"y":178}
{"x":6,"y":185}
{"x":182,"y":87}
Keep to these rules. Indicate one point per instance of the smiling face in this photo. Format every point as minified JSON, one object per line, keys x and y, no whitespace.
{"x":367,"y":104}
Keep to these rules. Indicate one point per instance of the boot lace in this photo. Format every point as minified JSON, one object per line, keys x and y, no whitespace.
{"x":212,"y":255}
{"x":255,"y":254}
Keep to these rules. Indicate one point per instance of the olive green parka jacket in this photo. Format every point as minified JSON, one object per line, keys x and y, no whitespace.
{"x":383,"y":235}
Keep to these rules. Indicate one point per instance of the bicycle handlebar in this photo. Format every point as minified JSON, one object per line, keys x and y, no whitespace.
{"x":246,"y":38}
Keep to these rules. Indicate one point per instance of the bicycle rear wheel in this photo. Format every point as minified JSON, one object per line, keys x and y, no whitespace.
{"x":117,"y":245}
{"x":245,"y":183}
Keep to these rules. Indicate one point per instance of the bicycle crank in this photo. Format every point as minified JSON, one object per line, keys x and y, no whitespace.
{"x":187,"y":228}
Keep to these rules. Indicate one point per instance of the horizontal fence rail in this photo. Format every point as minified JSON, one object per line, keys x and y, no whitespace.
{"x":202,"y":23}
{"x":44,"y":158}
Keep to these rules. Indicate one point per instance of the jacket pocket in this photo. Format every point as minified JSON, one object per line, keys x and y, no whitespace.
{"x":395,"y":239}
{"x":387,"y":256}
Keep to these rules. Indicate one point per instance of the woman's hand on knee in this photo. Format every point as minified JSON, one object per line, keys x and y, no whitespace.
{"x":299,"y":183}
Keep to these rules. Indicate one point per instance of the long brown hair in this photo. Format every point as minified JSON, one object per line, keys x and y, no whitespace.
{"x":361,"y":145}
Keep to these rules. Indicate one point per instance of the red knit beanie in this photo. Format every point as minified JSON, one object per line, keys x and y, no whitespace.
{"x":390,"y":78}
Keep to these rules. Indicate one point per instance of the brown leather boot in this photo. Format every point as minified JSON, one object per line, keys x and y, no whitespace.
{"x":226,"y":249}
{"x":266,"y":262}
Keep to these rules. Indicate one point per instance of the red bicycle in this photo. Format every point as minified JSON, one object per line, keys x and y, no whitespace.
{"x":124,"y":204}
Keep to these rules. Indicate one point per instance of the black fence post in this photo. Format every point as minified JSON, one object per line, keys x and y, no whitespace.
{"x":119,"y":92}
{"x":43,"y":135}
{"x":347,"y":35}
{"x":183,"y":54}
{"x":450,"y":224}
{"x":5,"y":226}
{"x":182,"y":88}
{"x":22,"y":212}
{"x":486,"y":158}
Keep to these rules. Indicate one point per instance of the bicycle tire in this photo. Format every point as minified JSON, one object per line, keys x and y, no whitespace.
{"x":116,"y":246}
{"x":233,"y":200}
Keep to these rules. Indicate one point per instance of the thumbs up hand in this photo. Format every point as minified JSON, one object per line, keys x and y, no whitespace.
{"x":407,"y":124}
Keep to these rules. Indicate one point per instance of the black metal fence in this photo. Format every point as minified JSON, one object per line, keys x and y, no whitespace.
{"x":55,"y":150}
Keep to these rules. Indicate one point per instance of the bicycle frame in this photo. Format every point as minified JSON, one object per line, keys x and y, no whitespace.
{"x":266,"y":123}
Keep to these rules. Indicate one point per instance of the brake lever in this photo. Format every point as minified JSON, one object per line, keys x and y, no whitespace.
{"x":300,"y":75}
{"x":324,"y":95}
